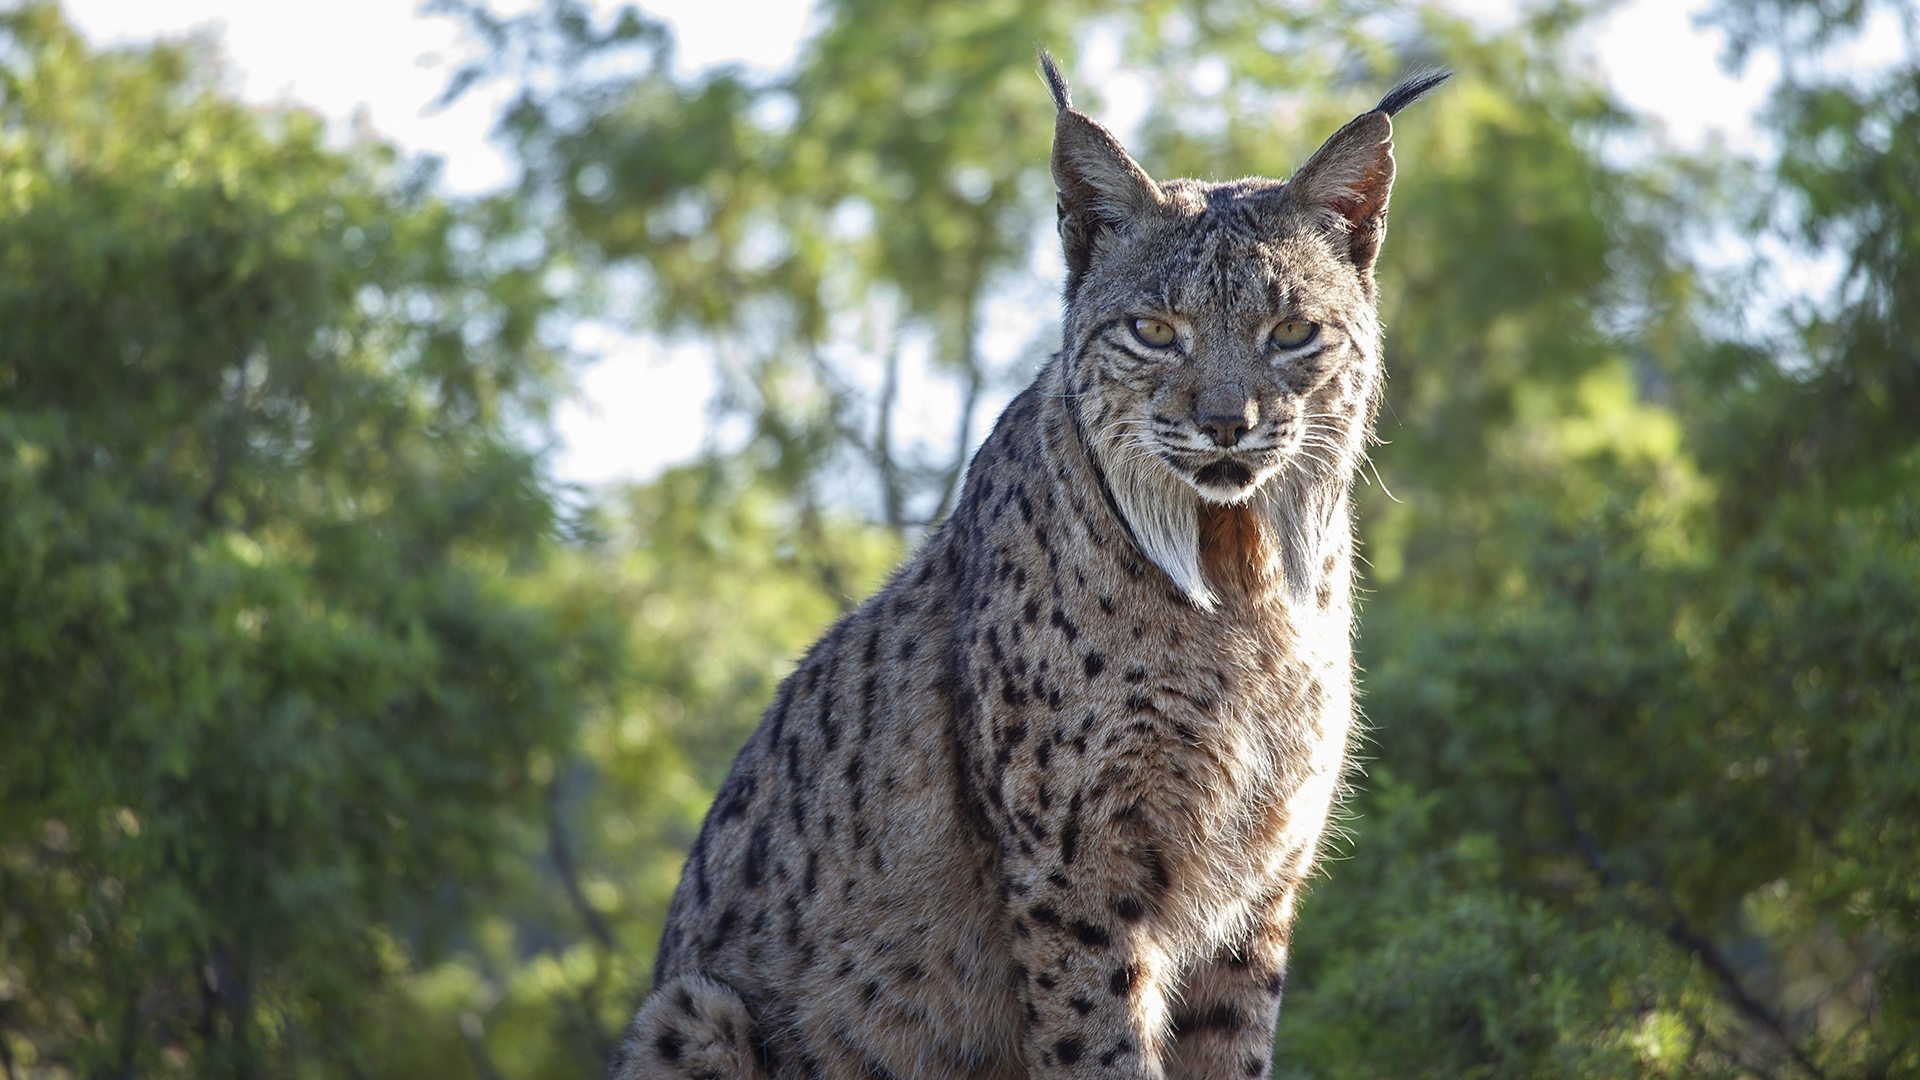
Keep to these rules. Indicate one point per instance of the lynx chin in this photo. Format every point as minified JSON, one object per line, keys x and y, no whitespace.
{"x":1043,"y":806}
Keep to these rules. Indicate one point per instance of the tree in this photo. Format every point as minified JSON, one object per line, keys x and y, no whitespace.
{"x":273,"y":678}
{"x":725,"y":588}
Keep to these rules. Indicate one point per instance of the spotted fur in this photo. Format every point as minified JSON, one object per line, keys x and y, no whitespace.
{"x":1043,"y":806}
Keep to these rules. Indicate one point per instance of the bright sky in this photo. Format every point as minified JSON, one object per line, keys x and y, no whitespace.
{"x":635,"y":412}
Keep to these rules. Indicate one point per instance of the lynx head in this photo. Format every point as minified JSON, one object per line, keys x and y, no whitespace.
{"x":1221,"y":344}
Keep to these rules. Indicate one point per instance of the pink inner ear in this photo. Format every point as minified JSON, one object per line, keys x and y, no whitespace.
{"x":1368,"y":196}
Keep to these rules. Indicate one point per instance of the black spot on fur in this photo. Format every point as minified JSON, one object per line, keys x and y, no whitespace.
{"x":1032,"y":823}
{"x":794,"y":768}
{"x":735,"y":797}
{"x":1221,"y":1018}
{"x":958,"y":753}
{"x":793,"y":922}
{"x":869,"y":694}
{"x":1156,"y":869}
{"x":723,"y":929}
{"x":697,"y":866}
{"x":1095,"y":664}
{"x":754,"y":869}
{"x":856,"y":767}
{"x":764,"y":1052}
{"x":1094,"y":937}
{"x":670,"y":1045}
{"x":1068,"y":1050}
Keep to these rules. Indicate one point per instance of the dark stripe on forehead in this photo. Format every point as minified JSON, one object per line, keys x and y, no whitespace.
{"x":1245,"y":274}
{"x":1221,"y":265}
{"x":1279,"y":296}
{"x":1227,"y":278}
{"x":1187,"y":271}
{"x":1242,"y":209}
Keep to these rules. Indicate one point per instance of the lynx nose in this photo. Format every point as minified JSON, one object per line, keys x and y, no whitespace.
{"x":1225,"y":413}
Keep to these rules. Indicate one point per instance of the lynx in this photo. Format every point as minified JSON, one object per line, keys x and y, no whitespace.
{"x":1043,"y":806}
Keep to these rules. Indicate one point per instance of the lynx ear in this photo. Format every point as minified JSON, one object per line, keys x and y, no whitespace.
{"x":1347,"y":180}
{"x":1345,"y":184}
{"x":1100,"y":188}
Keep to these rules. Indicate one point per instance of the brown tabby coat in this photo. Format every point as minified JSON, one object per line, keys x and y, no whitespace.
{"x":1043,"y":805}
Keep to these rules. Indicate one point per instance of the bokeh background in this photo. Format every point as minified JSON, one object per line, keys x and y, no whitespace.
{"x":394,"y":549}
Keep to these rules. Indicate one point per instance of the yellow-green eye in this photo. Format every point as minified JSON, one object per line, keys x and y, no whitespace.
{"x":1153,"y":333}
{"x":1293,"y":333}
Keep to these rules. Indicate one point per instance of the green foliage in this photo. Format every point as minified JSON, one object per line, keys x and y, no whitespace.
{"x":273,"y":672}
{"x":323,"y":754}
{"x":1444,"y":971}
{"x":725,"y":586}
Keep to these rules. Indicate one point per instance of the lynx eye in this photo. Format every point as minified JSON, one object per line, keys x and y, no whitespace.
{"x":1153,"y":333}
{"x":1292,"y":334}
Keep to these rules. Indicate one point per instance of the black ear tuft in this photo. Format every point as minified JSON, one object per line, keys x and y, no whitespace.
{"x":1347,"y":181}
{"x":1412,"y":89}
{"x":1056,"y":82}
{"x":1101,"y":189}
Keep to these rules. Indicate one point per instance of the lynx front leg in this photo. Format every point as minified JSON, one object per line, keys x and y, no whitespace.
{"x":1095,"y":993}
{"x":1083,"y":899}
{"x":1230,"y":1002}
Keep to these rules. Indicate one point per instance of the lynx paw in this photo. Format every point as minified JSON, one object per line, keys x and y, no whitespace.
{"x":691,"y":1028}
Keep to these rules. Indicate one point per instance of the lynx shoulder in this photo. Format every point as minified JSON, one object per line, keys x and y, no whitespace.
{"x":1043,"y":805}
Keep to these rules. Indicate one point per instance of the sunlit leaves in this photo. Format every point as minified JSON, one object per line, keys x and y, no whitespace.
{"x":271,"y":680}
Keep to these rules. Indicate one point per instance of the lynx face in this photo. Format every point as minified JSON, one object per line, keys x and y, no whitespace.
{"x":1224,"y":338}
{"x":1222,"y":345}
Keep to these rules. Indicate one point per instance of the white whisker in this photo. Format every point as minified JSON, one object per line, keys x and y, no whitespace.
{"x":1368,"y":458}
